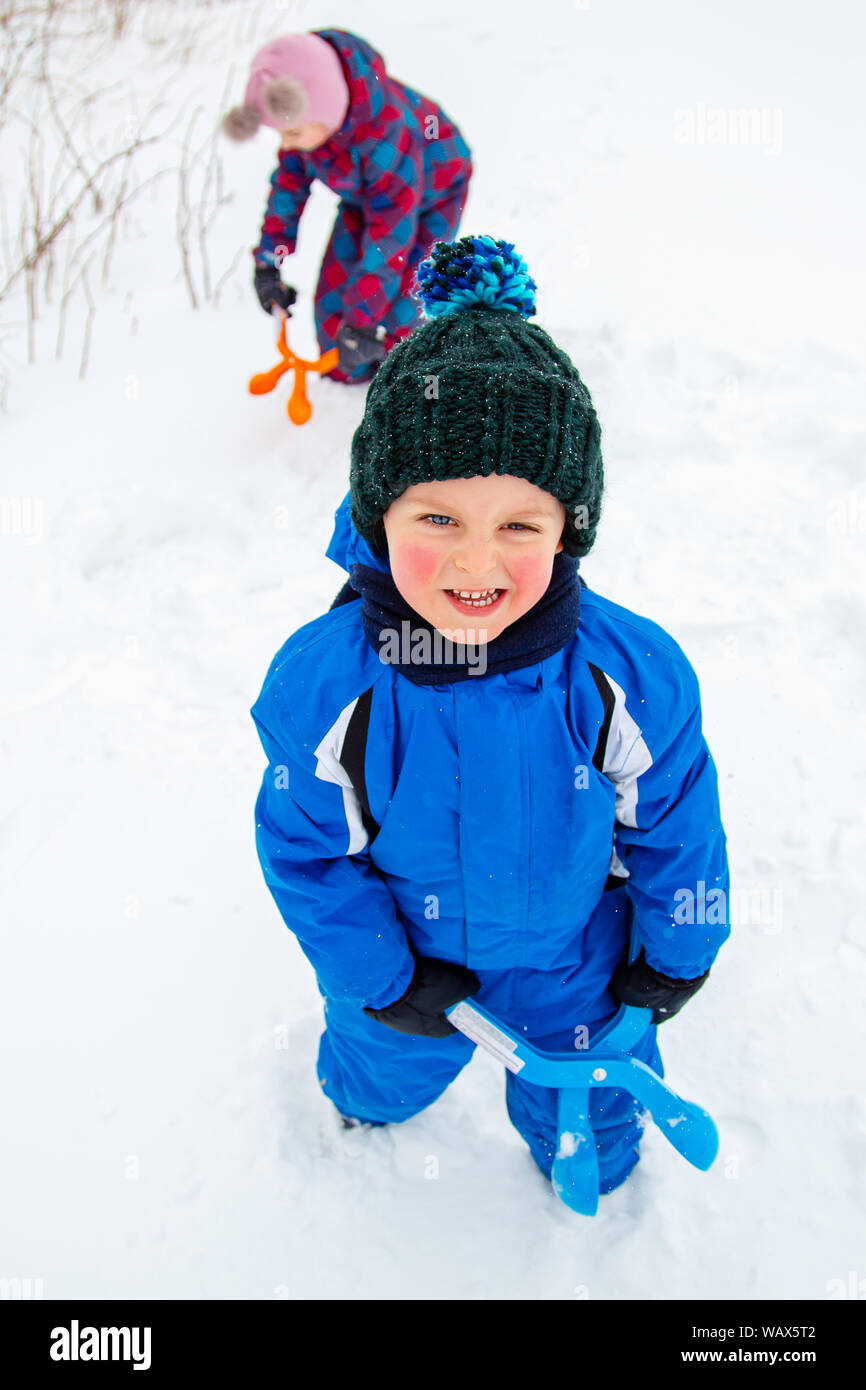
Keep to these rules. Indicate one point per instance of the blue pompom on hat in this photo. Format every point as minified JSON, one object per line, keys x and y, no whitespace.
{"x":475,"y":270}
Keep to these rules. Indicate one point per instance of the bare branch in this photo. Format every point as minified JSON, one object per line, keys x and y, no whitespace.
{"x":31,"y":314}
{"x":78,"y":163}
{"x":184,"y":214}
{"x":45,"y":239}
{"x":91,"y":310}
{"x":227,"y":274}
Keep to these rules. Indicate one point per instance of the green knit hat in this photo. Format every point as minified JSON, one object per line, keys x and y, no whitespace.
{"x":477,"y":389}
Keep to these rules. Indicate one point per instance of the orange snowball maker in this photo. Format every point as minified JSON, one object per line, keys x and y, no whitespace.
{"x":299,"y":408}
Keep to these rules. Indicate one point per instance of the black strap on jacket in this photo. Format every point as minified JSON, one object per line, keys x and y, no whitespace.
{"x":608,"y":701}
{"x":353,"y":756}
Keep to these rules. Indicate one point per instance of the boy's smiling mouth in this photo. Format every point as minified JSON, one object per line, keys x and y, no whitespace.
{"x":468,"y":599}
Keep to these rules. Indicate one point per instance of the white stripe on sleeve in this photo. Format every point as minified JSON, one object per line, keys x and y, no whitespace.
{"x":330,"y":769}
{"x":626,"y":757}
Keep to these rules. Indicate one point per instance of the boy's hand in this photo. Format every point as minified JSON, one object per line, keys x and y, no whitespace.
{"x":436,"y":985}
{"x":639,"y":984}
{"x":270,"y":289}
{"x":358,"y":347}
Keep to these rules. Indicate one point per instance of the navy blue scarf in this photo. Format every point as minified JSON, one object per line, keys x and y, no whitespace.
{"x":545,"y":629}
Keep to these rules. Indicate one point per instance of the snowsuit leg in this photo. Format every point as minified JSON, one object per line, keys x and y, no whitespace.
{"x":372,"y":1073}
{"x":438,"y":223}
{"x":613,"y":1114}
{"x":341,"y":255}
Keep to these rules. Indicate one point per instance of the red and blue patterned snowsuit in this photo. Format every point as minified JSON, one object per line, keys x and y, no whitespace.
{"x":402,"y":170}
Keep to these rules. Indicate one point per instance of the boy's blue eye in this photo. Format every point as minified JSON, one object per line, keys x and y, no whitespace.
{"x":436,"y":517}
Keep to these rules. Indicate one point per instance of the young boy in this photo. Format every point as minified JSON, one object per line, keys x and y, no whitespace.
{"x":490,"y":813}
{"x":400,"y":165}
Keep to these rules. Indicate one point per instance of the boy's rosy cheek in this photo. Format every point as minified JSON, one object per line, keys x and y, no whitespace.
{"x":529,"y":571}
{"x":419,"y":563}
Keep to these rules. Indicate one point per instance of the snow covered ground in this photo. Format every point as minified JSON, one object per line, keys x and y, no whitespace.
{"x":165,"y":1136}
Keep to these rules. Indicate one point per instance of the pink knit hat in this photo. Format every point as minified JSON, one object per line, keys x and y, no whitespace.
{"x":293,"y":80}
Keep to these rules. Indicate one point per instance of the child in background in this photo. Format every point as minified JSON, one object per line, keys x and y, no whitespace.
{"x":433,"y":826}
{"x":400,"y":165}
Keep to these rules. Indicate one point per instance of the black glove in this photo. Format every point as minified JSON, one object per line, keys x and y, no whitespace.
{"x":639,"y":984}
{"x":358,"y":347}
{"x":436,"y":985}
{"x":271,"y":290}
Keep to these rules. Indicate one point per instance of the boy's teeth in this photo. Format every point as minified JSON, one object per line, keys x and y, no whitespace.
{"x":480,"y":598}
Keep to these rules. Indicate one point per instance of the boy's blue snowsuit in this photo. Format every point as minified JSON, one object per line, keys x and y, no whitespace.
{"x":525,"y":819}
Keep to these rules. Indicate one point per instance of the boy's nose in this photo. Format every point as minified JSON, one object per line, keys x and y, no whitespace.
{"x":477,"y":560}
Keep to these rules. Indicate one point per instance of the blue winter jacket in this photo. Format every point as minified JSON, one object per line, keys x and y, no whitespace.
{"x":525,"y":819}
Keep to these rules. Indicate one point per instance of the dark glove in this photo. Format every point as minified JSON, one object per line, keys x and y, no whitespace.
{"x":436,"y":985}
{"x":271,"y":290}
{"x":358,"y":347}
{"x":639,"y":984}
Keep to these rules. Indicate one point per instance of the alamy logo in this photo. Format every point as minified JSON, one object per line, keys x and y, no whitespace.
{"x":759,"y":126}
{"x":76,"y":1343}
{"x":22,"y":516}
{"x":742,"y":907}
{"x":420,"y":647}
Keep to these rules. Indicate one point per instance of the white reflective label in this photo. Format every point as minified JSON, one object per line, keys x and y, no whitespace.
{"x":486,"y":1035}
